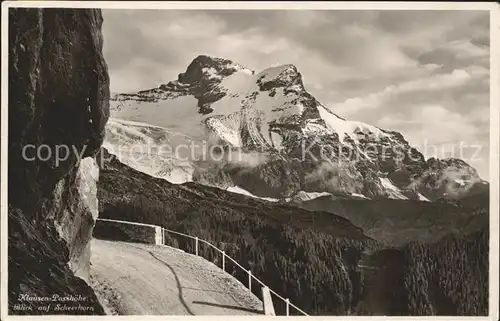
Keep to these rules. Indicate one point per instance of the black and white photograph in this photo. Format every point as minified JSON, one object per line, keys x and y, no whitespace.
{"x":250,"y":159}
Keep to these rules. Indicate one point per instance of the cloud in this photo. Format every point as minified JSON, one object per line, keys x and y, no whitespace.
{"x":432,"y":123}
{"x":334,"y":177}
{"x":438,"y":132}
{"x":458,"y":54}
{"x":376,"y":100}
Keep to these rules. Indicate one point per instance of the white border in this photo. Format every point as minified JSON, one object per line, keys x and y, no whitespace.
{"x":294,"y":5}
{"x":494,"y":158}
{"x":494,"y":124}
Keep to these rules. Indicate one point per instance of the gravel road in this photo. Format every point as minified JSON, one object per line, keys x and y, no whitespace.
{"x":142,"y":279}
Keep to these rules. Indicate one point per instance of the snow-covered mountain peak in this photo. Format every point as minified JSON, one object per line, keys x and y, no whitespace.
{"x":207,"y":67}
{"x":279,"y":76}
{"x":306,"y":145}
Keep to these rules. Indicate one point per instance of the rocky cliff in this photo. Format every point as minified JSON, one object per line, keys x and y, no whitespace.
{"x":58,"y":107}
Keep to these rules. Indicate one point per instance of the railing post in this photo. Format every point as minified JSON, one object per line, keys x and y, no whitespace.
{"x":287,"y":307}
{"x":250,"y":280}
{"x":224,"y":261}
{"x":196,"y":245}
{"x":267,"y":301}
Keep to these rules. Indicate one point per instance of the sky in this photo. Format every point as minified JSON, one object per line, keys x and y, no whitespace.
{"x":422,"y":73}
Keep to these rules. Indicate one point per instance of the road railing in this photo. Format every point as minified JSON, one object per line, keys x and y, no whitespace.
{"x":158,"y":237}
{"x":251,"y":277}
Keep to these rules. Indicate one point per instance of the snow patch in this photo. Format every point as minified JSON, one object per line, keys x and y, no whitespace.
{"x":179,"y":114}
{"x":393,"y":191}
{"x":347,"y":128}
{"x":239,"y":190}
{"x":228,"y":133}
{"x":461,"y":182}
{"x":303,"y":196}
{"x":422,"y":198}
{"x":360,"y":195}
{"x":281,"y":71}
{"x":143,"y":147}
{"x":312,"y":195}
{"x":211,"y":72}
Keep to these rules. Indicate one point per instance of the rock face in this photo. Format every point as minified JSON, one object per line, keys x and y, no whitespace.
{"x":301,"y":145}
{"x":58,"y":108}
{"x":450,"y":178}
{"x":78,"y":217}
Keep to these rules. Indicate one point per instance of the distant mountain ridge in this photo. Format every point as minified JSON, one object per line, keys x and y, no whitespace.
{"x":290,"y":142}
